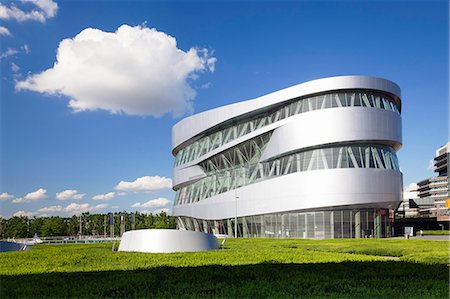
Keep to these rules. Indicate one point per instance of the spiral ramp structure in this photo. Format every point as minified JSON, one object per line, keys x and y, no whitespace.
{"x":315,"y":160}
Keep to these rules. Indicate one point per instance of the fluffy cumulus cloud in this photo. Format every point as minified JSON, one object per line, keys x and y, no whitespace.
{"x":29,"y":10}
{"x":105,"y":197}
{"x":32,"y":196}
{"x":70,"y":195}
{"x":6,"y":196}
{"x":135,"y":70}
{"x":153,"y":203}
{"x":145,"y":184}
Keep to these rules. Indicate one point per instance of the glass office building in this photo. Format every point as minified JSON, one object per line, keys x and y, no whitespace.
{"x":316,"y":160}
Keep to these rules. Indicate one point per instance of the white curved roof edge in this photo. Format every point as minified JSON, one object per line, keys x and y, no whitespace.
{"x":193,"y":125}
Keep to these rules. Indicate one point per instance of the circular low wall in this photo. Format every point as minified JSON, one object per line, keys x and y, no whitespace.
{"x":166,"y":240}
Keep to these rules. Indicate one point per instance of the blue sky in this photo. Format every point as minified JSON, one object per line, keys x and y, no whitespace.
{"x":239,"y":50}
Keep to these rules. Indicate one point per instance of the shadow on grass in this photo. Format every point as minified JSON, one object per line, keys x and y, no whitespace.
{"x":349,"y":279}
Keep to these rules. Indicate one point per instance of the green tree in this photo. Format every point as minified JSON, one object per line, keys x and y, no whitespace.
{"x":54,"y":226}
{"x":73,"y":225}
{"x":36,"y":226}
{"x":3,"y":222}
{"x":17,"y":227}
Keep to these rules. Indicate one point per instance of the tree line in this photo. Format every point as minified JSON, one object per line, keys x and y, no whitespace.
{"x":91,"y":224}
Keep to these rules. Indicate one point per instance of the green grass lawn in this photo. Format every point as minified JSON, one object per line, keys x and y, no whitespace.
{"x":370,"y":268}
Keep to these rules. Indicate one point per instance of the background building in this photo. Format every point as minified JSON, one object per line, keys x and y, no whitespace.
{"x":316,"y":160}
{"x":409,"y":207}
{"x":433,"y":192}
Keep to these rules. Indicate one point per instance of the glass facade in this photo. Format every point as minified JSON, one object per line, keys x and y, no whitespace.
{"x":233,"y":169}
{"x":326,"y":224}
{"x":218,"y":138}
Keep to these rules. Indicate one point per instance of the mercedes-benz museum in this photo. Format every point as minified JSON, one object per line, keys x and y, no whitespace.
{"x":315,"y":160}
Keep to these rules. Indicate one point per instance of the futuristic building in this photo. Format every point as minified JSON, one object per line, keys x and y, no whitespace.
{"x":315,"y":160}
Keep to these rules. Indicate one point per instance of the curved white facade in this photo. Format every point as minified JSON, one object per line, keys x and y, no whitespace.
{"x":315,"y":160}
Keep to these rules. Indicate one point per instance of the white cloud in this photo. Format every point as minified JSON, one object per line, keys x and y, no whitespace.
{"x":43,"y":10}
{"x":411,"y":187}
{"x":430,"y":165}
{"x":153,"y":203}
{"x":206,"y":85}
{"x":32,"y":196}
{"x":50,"y":209}
{"x":75,"y":208}
{"x":25,"y":48}
{"x":115,"y":207}
{"x":105,"y":197}
{"x":100,"y":206}
{"x":14,"y":67}
{"x":6,"y":196}
{"x":135,"y":70}
{"x":11,"y":51}
{"x":8,"y":52}
{"x":36,"y":195}
{"x":23,"y":214}
{"x":70,"y":209}
{"x":69,"y":195}
{"x":145,"y":184}
{"x":4,"y":31}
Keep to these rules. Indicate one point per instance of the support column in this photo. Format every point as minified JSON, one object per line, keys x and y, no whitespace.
{"x":229,"y":228}
{"x":332,"y":224}
{"x":205,"y":226}
{"x":244,"y":227}
{"x":216,"y":227}
{"x":196,"y":226}
{"x":263,"y":227}
{"x":377,"y":225}
{"x":358,"y":224}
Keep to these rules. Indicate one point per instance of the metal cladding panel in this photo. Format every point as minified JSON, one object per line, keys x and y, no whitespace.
{"x":192,"y":126}
{"x":186,"y":175}
{"x":334,"y":126}
{"x":318,"y":189}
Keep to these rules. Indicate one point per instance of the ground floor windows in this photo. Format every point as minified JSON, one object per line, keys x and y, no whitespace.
{"x":342,"y":223}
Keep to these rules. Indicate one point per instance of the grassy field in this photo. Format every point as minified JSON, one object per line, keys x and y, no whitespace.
{"x":364,"y":268}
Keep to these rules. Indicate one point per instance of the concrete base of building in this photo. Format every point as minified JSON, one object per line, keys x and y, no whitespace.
{"x":166,"y":240}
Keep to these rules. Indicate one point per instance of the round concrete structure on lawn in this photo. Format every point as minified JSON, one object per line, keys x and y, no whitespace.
{"x":166,"y":240}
